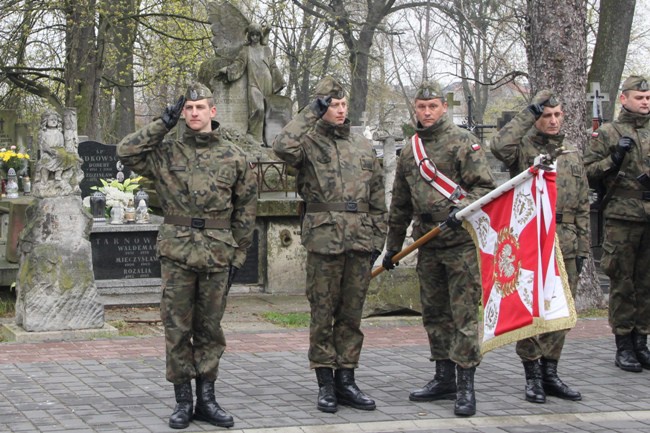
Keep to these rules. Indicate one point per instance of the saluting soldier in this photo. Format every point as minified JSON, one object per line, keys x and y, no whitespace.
{"x":343,"y":229}
{"x":208,"y":194}
{"x":536,"y":130}
{"x":443,"y":170}
{"x":618,"y":158}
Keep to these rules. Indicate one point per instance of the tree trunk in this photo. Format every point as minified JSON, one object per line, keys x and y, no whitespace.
{"x":614,"y":27}
{"x":123,"y":30}
{"x":557,"y":59}
{"x":359,"y":84}
{"x":82,"y":66}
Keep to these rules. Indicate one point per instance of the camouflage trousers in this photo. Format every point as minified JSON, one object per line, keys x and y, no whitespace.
{"x":191,"y":308}
{"x":626,"y":261}
{"x":550,"y":344}
{"x":336,"y":290}
{"x":450,"y":292}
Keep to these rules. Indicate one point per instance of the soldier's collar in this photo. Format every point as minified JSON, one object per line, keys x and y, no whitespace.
{"x":637,"y":119}
{"x":338,"y":131}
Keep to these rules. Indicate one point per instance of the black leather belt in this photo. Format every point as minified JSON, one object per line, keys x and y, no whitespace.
{"x":565,"y":218}
{"x":197,"y":223}
{"x":348,"y":206}
{"x":433,"y":217}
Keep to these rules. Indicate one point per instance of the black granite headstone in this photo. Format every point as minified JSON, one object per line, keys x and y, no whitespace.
{"x":100,"y":161}
{"x":125,"y":255}
{"x":249,"y":272}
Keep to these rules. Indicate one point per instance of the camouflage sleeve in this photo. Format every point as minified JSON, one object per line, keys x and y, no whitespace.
{"x":377,"y":203}
{"x":506,"y":144}
{"x":135,"y":149}
{"x":287,"y":145}
{"x":401,"y":207}
{"x":597,"y":158}
{"x":475,"y":172}
{"x":242,"y":220}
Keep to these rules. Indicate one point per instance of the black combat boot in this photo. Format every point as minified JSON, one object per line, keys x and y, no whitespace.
{"x":641,"y":349}
{"x":465,"y":399}
{"x":207,"y":409}
{"x":625,"y":355}
{"x":348,"y":393}
{"x":534,"y":390}
{"x":326,"y":394}
{"x":182,"y":414}
{"x":552,"y":383}
{"x":443,"y":385}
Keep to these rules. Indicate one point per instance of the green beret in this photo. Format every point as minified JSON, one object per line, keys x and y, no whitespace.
{"x":547,"y":97}
{"x":328,"y":86}
{"x":197,"y":91}
{"x":429,"y":90}
{"x":636,"y":82}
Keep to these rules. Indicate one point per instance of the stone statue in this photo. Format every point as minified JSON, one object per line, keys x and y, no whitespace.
{"x":50,"y":141}
{"x":264,"y":79}
{"x":244,"y":64}
{"x":55,"y":285}
{"x":58,"y":171}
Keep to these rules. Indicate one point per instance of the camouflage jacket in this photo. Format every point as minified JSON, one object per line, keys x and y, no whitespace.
{"x":602,"y":171}
{"x":518,"y":144}
{"x":335,"y":166}
{"x":450,"y":148}
{"x":202,"y":176}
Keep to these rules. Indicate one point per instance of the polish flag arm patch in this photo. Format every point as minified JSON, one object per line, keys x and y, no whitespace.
{"x":476,"y":147}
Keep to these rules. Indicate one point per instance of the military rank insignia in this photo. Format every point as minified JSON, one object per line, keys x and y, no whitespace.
{"x":476,"y":147}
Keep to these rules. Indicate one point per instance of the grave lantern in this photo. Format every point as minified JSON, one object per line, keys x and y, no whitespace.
{"x":12,"y":184}
{"x":98,"y":206}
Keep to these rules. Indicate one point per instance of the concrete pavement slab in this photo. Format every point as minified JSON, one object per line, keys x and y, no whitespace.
{"x":118,"y":385}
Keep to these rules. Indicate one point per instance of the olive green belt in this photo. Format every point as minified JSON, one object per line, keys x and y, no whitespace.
{"x":349,"y":206}
{"x":197,"y":223}
{"x":565,"y":218}
{"x":626,"y":193}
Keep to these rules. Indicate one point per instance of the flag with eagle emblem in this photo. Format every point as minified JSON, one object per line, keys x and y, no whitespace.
{"x":525,"y":286}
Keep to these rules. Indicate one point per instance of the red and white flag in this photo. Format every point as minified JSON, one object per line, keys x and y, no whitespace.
{"x":525,"y":287}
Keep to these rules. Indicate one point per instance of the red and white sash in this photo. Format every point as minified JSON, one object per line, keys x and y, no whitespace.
{"x":431,"y":175}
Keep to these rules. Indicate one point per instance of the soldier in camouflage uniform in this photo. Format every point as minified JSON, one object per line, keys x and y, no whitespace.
{"x":450,"y":287}
{"x":208,"y":193}
{"x":618,"y":159}
{"x":344,"y":228}
{"x":537,"y":130}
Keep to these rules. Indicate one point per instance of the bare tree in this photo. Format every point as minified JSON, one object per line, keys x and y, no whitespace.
{"x":357,"y":24}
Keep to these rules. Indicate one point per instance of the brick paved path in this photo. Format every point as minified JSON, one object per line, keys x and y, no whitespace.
{"x":118,"y":385}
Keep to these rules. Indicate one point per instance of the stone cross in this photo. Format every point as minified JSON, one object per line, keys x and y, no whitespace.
{"x":596,"y":97}
{"x":451,"y":103}
{"x":364,"y":118}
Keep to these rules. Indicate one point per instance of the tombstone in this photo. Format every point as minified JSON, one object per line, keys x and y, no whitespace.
{"x":124,"y":258}
{"x":100,"y":161}
{"x":278,"y":114}
{"x":8,"y":120}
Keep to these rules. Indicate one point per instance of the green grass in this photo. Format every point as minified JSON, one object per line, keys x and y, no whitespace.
{"x":7,"y":303}
{"x":287,"y":320}
{"x":593,"y":312}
